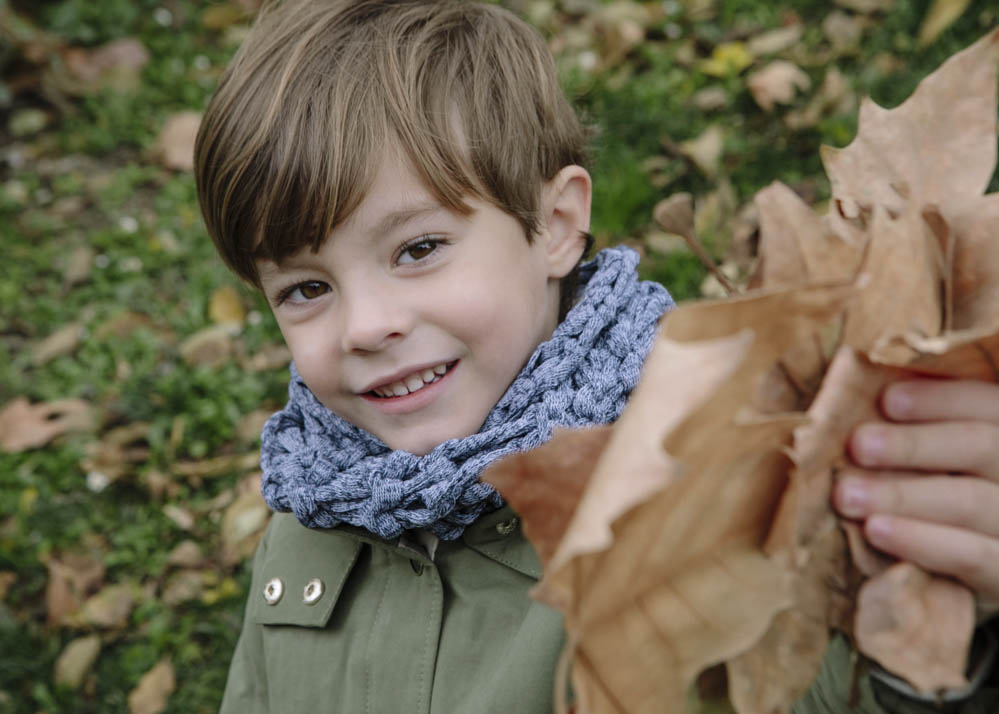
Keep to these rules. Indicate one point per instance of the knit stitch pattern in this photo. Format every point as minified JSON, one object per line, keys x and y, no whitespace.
{"x":328,"y":471}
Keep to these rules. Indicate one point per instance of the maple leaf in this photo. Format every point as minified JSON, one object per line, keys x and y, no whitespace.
{"x":704,"y":533}
{"x":685,"y":566}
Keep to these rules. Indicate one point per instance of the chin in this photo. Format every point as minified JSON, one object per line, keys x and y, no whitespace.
{"x":423,"y":444}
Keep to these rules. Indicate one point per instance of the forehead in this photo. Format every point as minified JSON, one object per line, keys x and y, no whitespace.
{"x":396,"y":200}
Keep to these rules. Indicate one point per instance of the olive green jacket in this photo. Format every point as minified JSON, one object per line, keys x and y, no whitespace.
{"x":342,"y":621}
{"x":369,"y":627}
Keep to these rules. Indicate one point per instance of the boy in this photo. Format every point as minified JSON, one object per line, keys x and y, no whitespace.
{"x":403,"y":181}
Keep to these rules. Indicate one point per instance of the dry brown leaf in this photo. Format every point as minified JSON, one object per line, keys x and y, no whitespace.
{"x":913,"y":622}
{"x":150,"y":696}
{"x":885,"y":164}
{"x":774,"y":41}
{"x":181,"y":517}
{"x":689,"y":554}
{"x":777,"y":83}
{"x":183,"y":586}
{"x":268,"y":357}
{"x":76,"y":660}
{"x":249,"y":427}
{"x":26,"y":426}
{"x":72,"y":578}
{"x":211,"y":347}
{"x":116,"y":454}
{"x":866,"y":6}
{"x":547,"y":504}
{"x":705,"y":150}
{"x":705,"y":486}
{"x":941,"y":15}
{"x":243,"y":524}
{"x":217,"y":466}
{"x":187,"y":554}
{"x":7,"y":580}
{"x":111,"y":607}
{"x":117,"y":64}
{"x":175,"y":144}
{"x":63,"y":341}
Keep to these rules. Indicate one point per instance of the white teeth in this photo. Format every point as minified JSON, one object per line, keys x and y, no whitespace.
{"x":414,"y":382}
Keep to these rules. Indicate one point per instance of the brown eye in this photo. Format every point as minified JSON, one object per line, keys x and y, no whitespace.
{"x":302,"y":292}
{"x":312,"y":290}
{"x":419,"y":250}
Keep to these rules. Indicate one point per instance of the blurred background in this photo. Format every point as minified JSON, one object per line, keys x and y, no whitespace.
{"x":135,"y":372}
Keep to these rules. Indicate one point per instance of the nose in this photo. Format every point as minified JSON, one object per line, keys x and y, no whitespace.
{"x":373,"y":318}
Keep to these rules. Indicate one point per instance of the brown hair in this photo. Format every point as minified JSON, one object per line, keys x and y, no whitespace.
{"x":298,"y":125}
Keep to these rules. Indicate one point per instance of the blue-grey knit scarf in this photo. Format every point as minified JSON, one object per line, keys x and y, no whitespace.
{"x":328,"y":471}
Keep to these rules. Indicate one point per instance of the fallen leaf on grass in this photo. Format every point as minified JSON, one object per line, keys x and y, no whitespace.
{"x":116,"y":454}
{"x":72,"y":578}
{"x":26,"y":426}
{"x":217,"y":466}
{"x":175,"y":144}
{"x":183,"y":586}
{"x":941,"y":15}
{"x":7,"y":579}
{"x":181,"y":517}
{"x":210,"y":347}
{"x":774,"y":41}
{"x":187,"y":554}
{"x":76,"y":661}
{"x":777,"y":83}
{"x":705,"y":151}
{"x":226,"y":306}
{"x":63,"y":341}
{"x":268,"y":357}
{"x":153,"y":692}
{"x":111,"y":607}
{"x":243,"y":523}
{"x":117,"y":65}
{"x":866,"y":6}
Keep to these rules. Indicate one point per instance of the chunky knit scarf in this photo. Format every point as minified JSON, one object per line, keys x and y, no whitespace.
{"x":328,"y":471}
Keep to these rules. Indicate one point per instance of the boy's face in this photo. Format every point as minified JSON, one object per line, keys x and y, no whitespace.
{"x":411,"y":321}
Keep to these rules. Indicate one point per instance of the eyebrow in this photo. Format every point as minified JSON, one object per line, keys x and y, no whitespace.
{"x":401,"y":217}
{"x":389,"y":222}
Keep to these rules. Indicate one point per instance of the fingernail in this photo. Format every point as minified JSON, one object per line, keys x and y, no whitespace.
{"x":868,"y":444}
{"x":897,"y":401}
{"x":853,"y":497}
{"x":878,"y":528}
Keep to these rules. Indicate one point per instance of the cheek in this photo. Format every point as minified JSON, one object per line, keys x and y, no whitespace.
{"x":313,"y":358}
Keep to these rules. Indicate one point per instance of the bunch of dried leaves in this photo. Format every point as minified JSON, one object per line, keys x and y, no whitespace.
{"x":697,"y":531}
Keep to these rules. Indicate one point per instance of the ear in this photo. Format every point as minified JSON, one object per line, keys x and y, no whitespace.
{"x":566,"y":207}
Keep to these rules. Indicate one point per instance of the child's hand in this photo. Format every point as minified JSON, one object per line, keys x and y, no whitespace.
{"x":927,"y":485}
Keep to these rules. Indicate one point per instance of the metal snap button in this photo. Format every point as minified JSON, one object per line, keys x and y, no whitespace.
{"x":313,"y":591}
{"x":417,"y":566}
{"x":273,"y":591}
{"x":505,"y":528}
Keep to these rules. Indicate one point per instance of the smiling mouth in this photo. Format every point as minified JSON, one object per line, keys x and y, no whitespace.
{"x":413,"y":383}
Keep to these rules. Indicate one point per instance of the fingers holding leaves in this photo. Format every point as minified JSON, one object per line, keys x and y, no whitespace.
{"x":971,"y":557}
{"x":967,"y":503}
